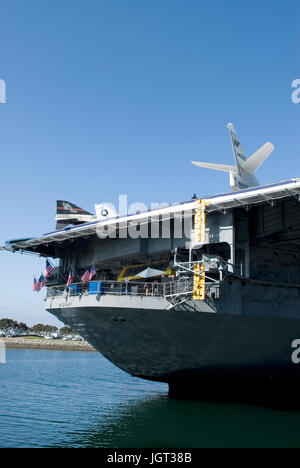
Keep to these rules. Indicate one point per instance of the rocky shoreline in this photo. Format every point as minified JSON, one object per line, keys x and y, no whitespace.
{"x":55,"y":345}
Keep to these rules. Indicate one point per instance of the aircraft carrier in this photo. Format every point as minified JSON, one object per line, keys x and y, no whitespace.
{"x":211,"y":302}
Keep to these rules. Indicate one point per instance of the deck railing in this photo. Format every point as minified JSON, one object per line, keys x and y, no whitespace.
{"x":100,"y":288}
{"x":176,"y":287}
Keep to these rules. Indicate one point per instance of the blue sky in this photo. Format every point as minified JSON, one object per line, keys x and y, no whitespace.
{"x":110,"y":97}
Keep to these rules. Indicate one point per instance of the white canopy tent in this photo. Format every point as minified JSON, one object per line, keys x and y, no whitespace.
{"x":150,"y":273}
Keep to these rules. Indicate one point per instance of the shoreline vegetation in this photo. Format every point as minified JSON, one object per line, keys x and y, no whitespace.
{"x":42,"y":343}
{"x":18,"y":335}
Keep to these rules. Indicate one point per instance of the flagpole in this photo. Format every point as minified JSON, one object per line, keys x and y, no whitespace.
{"x":71,"y":270}
{"x":95,"y":271}
{"x":76,"y":276}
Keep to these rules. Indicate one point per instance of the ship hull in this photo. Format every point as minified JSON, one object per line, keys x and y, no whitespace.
{"x":192,"y":351}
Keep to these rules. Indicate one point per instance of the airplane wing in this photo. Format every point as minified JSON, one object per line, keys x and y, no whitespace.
{"x":255,"y":161}
{"x":215,"y":167}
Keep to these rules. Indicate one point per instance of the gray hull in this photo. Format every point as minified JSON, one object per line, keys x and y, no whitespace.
{"x":169,"y":346}
{"x":241,"y":342}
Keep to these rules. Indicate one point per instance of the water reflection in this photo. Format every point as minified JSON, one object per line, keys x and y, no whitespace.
{"x":59,"y":399}
{"x":159,"y":422}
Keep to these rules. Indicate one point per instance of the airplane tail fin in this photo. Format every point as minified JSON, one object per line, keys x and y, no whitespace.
{"x":242,"y":175}
{"x":239,"y":154}
{"x":253,"y":163}
{"x":68,"y":208}
{"x":67,"y":213}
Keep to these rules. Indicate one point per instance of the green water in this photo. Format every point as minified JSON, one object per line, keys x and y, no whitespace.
{"x":66,"y":399}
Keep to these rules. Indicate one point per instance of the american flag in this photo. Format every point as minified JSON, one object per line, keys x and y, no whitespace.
{"x":34,"y":284}
{"x":38,"y":286}
{"x":49,"y":269}
{"x":88,"y":275}
{"x":40,"y":283}
{"x":42,"y":280}
{"x":70,"y":278}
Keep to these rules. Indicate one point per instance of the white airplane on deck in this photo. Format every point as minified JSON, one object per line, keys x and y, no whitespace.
{"x":242,"y":175}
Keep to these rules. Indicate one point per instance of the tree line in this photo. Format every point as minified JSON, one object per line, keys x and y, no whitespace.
{"x":7,"y":323}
